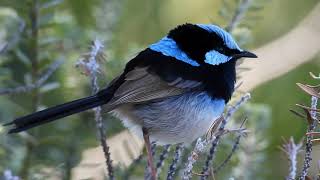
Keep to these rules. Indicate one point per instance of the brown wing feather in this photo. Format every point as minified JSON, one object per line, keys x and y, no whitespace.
{"x":141,"y":86}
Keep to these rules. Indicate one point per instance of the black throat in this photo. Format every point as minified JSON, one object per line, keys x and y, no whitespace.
{"x":220,"y":80}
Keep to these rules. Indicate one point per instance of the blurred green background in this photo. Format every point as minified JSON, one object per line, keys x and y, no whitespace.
{"x":65,"y":29}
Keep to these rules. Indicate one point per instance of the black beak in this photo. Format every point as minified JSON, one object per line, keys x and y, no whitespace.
{"x":245,"y":54}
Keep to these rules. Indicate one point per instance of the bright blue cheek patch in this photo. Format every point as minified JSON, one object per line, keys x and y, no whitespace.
{"x":215,"y":58}
{"x":168,"y":47}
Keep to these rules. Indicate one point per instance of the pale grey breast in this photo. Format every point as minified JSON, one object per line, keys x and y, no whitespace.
{"x":176,"y":119}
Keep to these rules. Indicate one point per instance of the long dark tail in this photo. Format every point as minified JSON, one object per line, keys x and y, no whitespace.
{"x":57,"y":112}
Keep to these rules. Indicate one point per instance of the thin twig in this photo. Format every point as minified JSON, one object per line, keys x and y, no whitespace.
{"x":301,"y":115}
{"x":162,"y":158}
{"x":313,"y":133}
{"x":239,"y":14}
{"x":98,"y":118}
{"x":308,"y":108}
{"x":215,"y":142}
{"x":90,"y":63}
{"x":29,"y":87}
{"x":15,"y":38}
{"x":292,"y":149}
{"x":198,"y":148}
{"x":148,"y":175}
{"x":175,"y":161}
{"x":308,"y":150}
{"x":233,"y":150}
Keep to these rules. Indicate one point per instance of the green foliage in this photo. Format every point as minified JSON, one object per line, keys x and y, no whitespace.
{"x":28,"y":54}
{"x":66,"y":27}
{"x":83,"y":10}
{"x":284,"y":123}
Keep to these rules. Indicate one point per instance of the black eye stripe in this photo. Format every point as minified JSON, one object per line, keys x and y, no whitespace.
{"x":226,"y":51}
{"x":221,"y":47}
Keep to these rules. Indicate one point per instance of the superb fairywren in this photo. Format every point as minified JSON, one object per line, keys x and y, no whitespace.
{"x":173,"y":90}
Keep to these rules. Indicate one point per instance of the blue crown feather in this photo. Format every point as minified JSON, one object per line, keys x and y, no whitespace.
{"x":169,"y":47}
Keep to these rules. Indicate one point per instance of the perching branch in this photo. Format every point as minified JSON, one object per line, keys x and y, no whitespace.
{"x":216,"y":140}
{"x":90,"y":64}
{"x":198,"y":149}
{"x":201,"y":145}
{"x":29,"y":87}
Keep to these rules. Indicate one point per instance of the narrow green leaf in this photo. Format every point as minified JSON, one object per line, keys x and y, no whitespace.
{"x":21,"y":56}
{"x":51,"y":4}
{"x":46,"y":19}
{"x":49,"y":87}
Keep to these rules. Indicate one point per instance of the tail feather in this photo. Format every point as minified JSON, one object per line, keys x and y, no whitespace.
{"x":57,"y":112}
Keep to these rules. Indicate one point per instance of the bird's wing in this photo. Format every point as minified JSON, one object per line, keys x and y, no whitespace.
{"x":141,"y":86}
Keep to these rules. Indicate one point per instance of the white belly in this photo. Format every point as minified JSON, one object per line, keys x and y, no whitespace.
{"x":179,"y":119}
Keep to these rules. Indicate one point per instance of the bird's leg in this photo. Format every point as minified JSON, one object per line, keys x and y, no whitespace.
{"x":149,"y":153}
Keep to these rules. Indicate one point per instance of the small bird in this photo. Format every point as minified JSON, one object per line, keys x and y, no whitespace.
{"x":171,"y":91}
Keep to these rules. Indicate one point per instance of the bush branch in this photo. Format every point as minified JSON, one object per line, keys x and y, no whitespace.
{"x":90,"y":63}
{"x":29,"y":87}
{"x":238,"y":15}
{"x":163,"y":156}
{"x":311,"y":128}
{"x":15,"y":38}
{"x":201,"y":145}
{"x":198,"y":149}
{"x":175,"y":161}
{"x":233,"y":150}
{"x":216,"y":140}
{"x":292,"y":149}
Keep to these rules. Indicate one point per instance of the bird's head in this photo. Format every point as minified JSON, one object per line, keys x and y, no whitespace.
{"x":198,"y":44}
